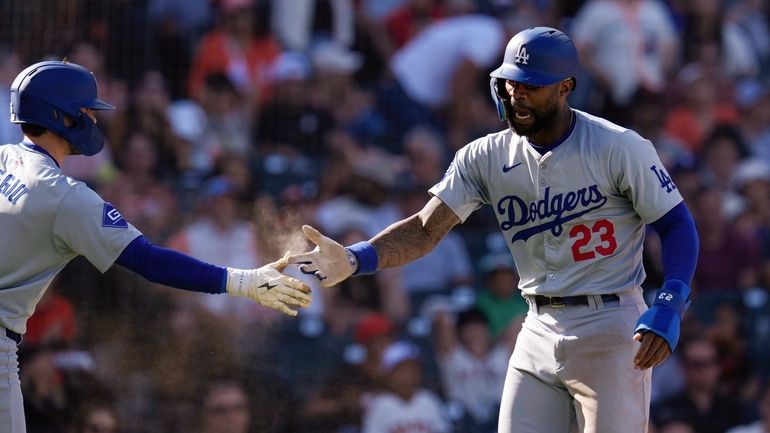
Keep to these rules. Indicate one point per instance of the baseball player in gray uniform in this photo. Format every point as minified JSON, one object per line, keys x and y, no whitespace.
{"x":48,"y":219}
{"x":572,"y":193}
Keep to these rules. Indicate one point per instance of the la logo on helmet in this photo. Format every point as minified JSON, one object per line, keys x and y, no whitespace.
{"x":521,"y":55}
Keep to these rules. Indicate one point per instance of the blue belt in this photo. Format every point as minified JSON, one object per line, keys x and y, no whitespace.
{"x":15,"y":336}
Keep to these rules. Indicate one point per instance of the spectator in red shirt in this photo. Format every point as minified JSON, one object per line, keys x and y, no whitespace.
{"x":237,"y":50}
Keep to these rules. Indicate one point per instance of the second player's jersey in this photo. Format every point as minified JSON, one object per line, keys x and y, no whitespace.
{"x":573,"y":217}
{"x":46,"y":220}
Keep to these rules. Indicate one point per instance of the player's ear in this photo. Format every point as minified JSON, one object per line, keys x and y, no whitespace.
{"x":567,"y":85}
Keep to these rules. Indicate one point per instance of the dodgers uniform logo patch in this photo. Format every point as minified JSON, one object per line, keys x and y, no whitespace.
{"x":112,"y":218}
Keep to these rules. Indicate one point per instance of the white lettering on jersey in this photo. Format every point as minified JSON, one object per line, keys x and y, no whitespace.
{"x":521,"y":55}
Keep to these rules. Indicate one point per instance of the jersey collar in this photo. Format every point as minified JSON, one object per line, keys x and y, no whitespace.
{"x":544,"y":149}
{"x":35,"y":148}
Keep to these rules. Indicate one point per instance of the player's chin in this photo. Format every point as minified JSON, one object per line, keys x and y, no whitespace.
{"x":523,"y":129}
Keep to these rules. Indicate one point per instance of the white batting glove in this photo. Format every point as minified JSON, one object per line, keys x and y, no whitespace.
{"x":269,"y":287}
{"x":330,"y":262}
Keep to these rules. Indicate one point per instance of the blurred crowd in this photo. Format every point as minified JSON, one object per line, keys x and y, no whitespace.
{"x":238,"y":121}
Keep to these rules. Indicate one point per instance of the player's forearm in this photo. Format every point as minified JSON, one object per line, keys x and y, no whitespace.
{"x":409,"y":239}
{"x":403,"y":242}
{"x":171,"y":268}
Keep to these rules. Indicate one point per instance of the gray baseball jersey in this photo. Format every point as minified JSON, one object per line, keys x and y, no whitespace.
{"x":48,"y":219}
{"x":573,"y":217}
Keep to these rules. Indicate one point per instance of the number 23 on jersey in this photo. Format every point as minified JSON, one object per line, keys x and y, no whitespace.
{"x":603,"y":230}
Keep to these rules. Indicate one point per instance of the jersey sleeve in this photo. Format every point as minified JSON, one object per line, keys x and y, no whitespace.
{"x":461,"y":188}
{"x":87,"y":225}
{"x":641,"y":177}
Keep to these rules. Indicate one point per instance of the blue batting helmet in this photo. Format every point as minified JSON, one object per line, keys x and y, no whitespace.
{"x":538,"y":56}
{"x":44,"y":93}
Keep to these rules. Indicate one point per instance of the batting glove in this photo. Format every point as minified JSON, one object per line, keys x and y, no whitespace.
{"x":330,"y":262}
{"x":664,"y":316}
{"x":269,"y":287}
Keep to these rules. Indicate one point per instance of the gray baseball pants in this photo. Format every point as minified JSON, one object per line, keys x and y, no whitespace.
{"x":572,"y":370}
{"x":11,"y":403}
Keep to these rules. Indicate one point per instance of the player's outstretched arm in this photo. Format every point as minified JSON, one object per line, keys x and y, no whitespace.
{"x":401,"y":243}
{"x":265,"y":285}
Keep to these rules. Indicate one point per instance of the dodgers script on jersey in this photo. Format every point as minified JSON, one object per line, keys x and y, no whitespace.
{"x":573,"y":217}
{"x":48,"y":219}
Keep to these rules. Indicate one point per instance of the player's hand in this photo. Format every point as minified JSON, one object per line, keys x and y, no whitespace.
{"x":329,"y":262}
{"x":269,"y":287}
{"x":652,"y":352}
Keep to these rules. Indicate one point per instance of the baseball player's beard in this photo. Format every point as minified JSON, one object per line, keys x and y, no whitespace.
{"x":546,"y":118}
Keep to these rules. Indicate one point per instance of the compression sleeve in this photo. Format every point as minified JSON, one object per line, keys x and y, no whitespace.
{"x":172,"y":268}
{"x":680,"y":243}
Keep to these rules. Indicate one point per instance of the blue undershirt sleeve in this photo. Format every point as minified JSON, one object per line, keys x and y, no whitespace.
{"x":172,"y":268}
{"x":680,"y":243}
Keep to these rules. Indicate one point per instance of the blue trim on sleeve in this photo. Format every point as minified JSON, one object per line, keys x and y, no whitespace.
{"x":679,"y":239}
{"x":172,"y":268}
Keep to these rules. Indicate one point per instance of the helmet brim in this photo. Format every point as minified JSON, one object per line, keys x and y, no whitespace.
{"x":98,"y":104}
{"x":514,"y":73}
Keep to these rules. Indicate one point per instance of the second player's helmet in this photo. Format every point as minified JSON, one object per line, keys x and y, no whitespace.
{"x":44,"y":93}
{"x":538,"y":56}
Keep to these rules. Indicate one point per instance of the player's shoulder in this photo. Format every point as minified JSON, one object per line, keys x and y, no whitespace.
{"x":490,"y":142}
{"x":598,"y":130}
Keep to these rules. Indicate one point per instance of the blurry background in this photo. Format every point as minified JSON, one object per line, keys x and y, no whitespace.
{"x":239,"y":120}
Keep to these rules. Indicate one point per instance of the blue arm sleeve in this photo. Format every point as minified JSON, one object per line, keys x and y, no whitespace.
{"x":171,"y":268}
{"x":680,"y":243}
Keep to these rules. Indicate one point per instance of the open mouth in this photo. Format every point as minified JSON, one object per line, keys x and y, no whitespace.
{"x":522,"y":115}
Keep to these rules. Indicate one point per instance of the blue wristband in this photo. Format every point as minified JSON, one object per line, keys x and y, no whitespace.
{"x":664,"y":316}
{"x":674,"y":294}
{"x":366,"y":256}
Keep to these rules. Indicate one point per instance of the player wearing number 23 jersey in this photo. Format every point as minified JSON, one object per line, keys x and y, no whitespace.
{"x":572,"y":194}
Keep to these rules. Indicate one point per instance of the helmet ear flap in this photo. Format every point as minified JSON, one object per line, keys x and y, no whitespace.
{"x":501,"y":98}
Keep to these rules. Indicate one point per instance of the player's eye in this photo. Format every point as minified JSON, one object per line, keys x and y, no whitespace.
{"x":527,"y":87}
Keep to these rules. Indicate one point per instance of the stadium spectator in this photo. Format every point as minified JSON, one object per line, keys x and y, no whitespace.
{"x":701,"y":404}
{"x":625,"y":45}
{"x":225,"y":408}
{"x":700,"y":110}
{"x":339,"y":403}
{"x":301,"y":24}
{"x":473,"y":365}
{"x":438,"y":71}
{"x":500,"y":298}
{"x":405,"y":406}
{"x":240,"y":47}
{"x":219,"y":234}
{"x":728,"y":260}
